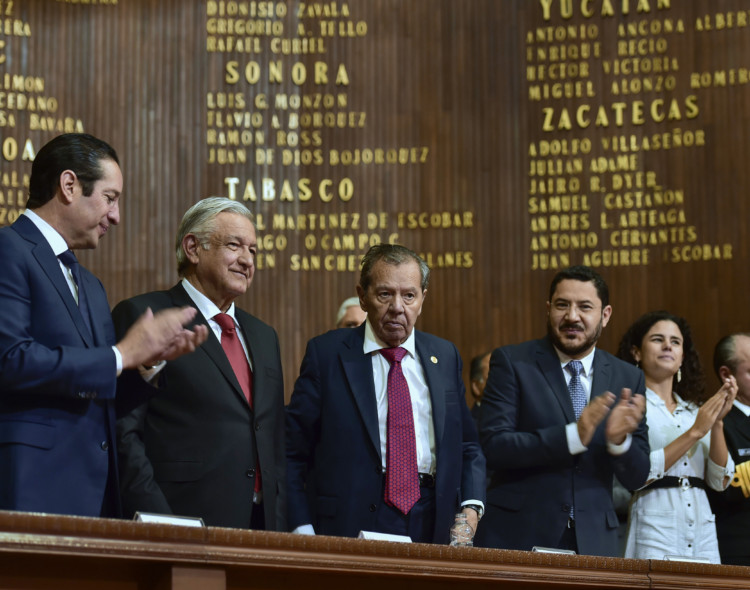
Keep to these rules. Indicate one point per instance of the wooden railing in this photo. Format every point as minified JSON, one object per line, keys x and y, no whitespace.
{"x":62,"y":552}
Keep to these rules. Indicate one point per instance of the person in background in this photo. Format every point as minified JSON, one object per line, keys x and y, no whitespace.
{"x":554,"y":432}
{"x":671,"y":515}
{"x":732,"y":506}
{"x":478,"y":371}
{"x":350,"y":314}
{"x":212,"y":444}
{"x":59,"y":361}
{"x":379,"y":414}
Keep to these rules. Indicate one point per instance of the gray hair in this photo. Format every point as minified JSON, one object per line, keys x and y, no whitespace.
{"x":351,"y":302}
{"x":199,"y":220}
{"x":391,"y":254}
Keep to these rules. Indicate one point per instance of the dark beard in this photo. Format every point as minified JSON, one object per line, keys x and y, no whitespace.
{"x":568,"y":349}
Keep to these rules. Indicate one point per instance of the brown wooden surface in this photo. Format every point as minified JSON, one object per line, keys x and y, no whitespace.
{"x":449,"y":76}
{"x":47,"y":551}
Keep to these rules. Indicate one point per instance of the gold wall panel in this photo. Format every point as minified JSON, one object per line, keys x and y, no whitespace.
{"x":501,"y":138}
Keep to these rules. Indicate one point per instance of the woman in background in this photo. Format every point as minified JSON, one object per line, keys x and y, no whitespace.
{"x":671,"y":515}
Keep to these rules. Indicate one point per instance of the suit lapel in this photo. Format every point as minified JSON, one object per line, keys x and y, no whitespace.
{"x":98,"y":306}
{"x":602,"y":375}
{"x":433,"y":367}
{"x":255,"y":351}
{"x":212,"y":346}
{"x":549,"y":364}
{"x":50,"y":265}
{"x":358,"y":371}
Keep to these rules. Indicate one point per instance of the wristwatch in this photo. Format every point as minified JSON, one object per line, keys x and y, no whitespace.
{"x":476,"y":508}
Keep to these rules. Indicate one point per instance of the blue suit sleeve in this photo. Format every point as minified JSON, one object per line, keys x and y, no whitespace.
{"x":41,"y":352}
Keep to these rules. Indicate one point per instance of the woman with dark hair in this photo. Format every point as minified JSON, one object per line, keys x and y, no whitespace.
{"x":671,"y":515}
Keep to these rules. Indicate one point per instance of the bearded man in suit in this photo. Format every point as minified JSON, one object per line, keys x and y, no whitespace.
{"x":558,"y":418}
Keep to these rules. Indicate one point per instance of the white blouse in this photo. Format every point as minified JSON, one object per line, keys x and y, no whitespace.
{"x":676,"y":521}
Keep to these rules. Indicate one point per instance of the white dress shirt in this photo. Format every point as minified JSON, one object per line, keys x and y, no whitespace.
{"x":421,"y":404}
{"x":575,"y":446}
{"x":209,"y":309}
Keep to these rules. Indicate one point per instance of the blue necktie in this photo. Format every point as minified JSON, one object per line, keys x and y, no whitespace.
{"x":575,"y":387}
{"x":69,"y":259}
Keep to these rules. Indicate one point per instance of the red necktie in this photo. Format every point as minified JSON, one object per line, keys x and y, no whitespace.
{"x":232,"y":346}
{"x":401,"y":474}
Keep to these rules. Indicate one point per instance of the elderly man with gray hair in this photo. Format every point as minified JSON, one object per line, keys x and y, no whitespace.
{"x":350,"y":314}
{"x":211,"y":444}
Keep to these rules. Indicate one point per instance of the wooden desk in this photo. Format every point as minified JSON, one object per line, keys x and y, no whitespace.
{"x":64,"y":552}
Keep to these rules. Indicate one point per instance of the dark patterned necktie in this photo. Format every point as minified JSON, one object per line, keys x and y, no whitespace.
{"x":401,"y":474}
{"x":575,"y":387}
{"x":69,"y":259}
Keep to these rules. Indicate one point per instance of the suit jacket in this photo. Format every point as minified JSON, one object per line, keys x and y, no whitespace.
{"x":332,"y":429}
{"x":731,"y":507}
{"x":536,"y":480}
{"x":191,"y":450}
{"x":57,"y":383}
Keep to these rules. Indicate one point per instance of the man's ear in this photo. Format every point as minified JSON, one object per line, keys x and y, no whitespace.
{"x":362,"y":300}
{"x":68,"y":182}
{"x":724,"y":372}
{"x":190,"y":245}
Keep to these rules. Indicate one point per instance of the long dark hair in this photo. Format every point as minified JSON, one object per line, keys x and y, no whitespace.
{"x":692,"y":386}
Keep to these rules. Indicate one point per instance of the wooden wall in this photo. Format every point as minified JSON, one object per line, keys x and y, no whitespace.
{"x":466,"y":92}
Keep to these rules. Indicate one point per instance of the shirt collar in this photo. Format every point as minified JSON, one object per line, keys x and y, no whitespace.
{"x":653,"y":398}
{"x":373,"y":343}
{"x":207,"y":307}
{"x":586,"y":361}
{"x":53,"y":237}
{"x":744,"y":408}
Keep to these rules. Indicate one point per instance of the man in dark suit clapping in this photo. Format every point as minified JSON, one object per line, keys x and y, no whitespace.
{"x":558,"y":418}
{"x":60,"y":366}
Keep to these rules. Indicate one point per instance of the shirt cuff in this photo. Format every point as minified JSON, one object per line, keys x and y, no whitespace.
{"x":118,"y":360}
{"x":575,"y":446}
{"x":716,"y":474}
{"x":474,"y":502}
{"x":620,"y":449}
{"x":304,"y":529}
{"x":150,"y":373}
{"x":656,"y":462}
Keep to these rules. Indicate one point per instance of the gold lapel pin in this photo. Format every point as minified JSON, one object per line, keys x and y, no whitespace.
{"x":434,"y":360}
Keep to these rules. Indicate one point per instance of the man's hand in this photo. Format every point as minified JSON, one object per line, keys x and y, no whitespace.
{"x":625,"y":416}
{"x":592,"y":416}
{"x":185,"y":342}
{"x":153,"y":338}
{"x":472,"y":518}
{"x":730,"y":387}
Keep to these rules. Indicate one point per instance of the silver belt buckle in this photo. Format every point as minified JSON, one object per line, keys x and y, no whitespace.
{"x":684,"y":482}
